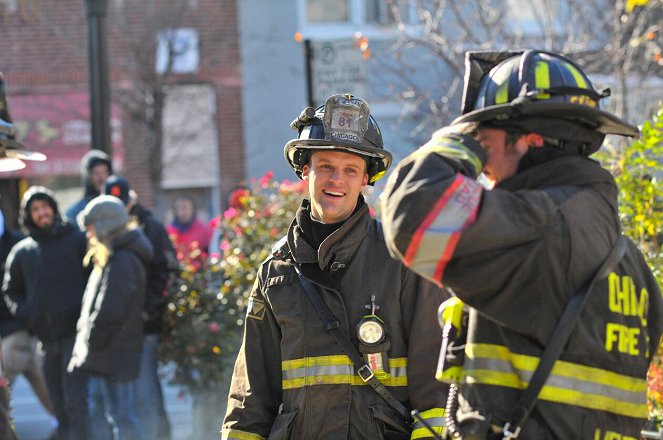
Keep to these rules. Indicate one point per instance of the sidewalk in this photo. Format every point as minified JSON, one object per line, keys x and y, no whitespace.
{"x":33,"y":423}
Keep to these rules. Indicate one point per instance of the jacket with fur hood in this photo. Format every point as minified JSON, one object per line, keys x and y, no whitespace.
{"x":44,"y":277}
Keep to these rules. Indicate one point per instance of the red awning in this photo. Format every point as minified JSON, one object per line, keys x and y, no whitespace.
{"x":58,"y":125}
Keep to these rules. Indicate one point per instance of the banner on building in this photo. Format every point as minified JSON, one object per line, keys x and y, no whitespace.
{"x":58,"y":125}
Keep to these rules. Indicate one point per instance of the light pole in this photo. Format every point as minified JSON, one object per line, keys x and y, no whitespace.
{"x":98,"y":73}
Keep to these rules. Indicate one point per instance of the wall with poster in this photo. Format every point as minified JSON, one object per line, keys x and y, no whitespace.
{"x":58,"y":125}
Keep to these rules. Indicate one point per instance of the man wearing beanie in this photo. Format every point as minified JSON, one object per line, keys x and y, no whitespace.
{"x":110,"y":329}
{"x":43,"y":287}
{"x":96,"y":166}
{"x":150,"y":404}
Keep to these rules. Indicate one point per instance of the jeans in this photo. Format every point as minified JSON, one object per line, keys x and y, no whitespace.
{"x":116,"y":401}
{"x":22,"y":354}
{"x":149,"y":396}
{"x":68,"y":391}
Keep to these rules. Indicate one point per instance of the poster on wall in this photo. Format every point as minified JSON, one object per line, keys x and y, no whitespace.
{"x":58,"y":125}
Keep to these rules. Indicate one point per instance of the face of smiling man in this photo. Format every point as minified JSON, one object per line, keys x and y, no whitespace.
{"x":335,"y":180}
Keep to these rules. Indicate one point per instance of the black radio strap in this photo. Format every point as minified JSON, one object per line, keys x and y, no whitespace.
{"x":558,"y":339}
{"x":333,"y":326}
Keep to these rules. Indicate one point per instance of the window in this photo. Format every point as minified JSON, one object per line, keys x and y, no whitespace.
{"x":321,"y":11}
{"x":177,"y":51}
{"x":381,"y":11}
{"x":534,"y":16}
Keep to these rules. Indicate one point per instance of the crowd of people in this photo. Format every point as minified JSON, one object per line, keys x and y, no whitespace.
{"x":83,"y":301}
{"x":501,"y":222}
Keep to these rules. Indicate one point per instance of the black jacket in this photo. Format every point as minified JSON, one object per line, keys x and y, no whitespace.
{"x":291,"y":378}
{"x":515,"y":255}
{"x":163,"y":263}
{"x":44,"y":277}
{"x":109,"y":340}
{"x":8,"y":322}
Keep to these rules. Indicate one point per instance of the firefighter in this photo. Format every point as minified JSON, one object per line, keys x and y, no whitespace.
{"x":516,"y":254}
{"x":292,"y":379}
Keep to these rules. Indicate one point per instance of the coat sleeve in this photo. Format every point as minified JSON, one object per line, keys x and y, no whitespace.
{"x":160,"y":270}
{"x":255,"y":390}
{"x":13,"y":287}
{"x":448,"y":229}
{"x":419,"y":302}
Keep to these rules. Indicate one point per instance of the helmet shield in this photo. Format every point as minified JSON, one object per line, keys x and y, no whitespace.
{"x":520,"y":89}
{"x":343,"y":123}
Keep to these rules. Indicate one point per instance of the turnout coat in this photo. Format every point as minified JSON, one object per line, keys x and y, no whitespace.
{"x":291,"y":378}
{"x":516,"y":254}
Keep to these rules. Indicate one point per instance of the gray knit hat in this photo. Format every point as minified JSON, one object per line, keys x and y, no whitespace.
{"x":106,"y":213}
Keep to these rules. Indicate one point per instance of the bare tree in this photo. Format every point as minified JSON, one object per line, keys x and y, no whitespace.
{"x":605,"y":37}
{"x":143,"y":89}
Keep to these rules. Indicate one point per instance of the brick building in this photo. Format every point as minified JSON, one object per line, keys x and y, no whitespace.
{"x":174,"y":79}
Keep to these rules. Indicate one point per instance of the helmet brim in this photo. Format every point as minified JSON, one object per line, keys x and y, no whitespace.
{"x":599,"y":120}
{"x":320,"y":144}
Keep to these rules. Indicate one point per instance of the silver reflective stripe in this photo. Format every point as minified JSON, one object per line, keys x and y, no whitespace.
{"x":318,"y":370}
{"x":436,"y":238}
{"x":556,"y":380}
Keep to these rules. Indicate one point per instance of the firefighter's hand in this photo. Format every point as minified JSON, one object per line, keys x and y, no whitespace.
{"x":461,"y":149}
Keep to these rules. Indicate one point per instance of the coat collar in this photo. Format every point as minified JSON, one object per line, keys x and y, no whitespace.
{"x":338,"y":248}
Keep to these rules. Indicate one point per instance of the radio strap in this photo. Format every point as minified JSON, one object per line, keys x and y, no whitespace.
{"x":558,"y":339}
{"x":333,"y":326}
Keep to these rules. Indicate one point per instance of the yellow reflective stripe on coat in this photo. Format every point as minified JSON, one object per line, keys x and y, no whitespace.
{"x":435,"y":419}
{"x":568,"y":383}
{"x":234,"y":434}
{"x":335,"y":370}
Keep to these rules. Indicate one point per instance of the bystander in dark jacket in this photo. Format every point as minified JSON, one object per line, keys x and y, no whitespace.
{"x":110,"y":329}
{"x":149,"y":395}
{"x":21,"y":352}
{"x":43,"y":286}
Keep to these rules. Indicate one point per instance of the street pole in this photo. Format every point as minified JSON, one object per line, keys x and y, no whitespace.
{"x":98,"y":73}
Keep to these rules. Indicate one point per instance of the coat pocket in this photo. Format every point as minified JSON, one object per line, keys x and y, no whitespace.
{"x":282,"y":427}
{"x":387,"y":425}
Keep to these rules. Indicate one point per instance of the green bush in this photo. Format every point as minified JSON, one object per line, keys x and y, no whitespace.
{"x":207,"y":300}
{"x":638,"y":170}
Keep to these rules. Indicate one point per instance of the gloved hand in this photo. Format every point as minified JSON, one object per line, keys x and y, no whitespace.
{"x":462,"y":149}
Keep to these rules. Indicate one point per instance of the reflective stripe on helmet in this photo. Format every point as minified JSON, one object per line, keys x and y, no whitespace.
{"x":335,"y":370}
{"x":579,"y":77}
{"x":569,"y":383}
{"x":542,"y":78}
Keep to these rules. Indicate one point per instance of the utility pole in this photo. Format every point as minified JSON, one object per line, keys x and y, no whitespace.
{"x":98,"y":73}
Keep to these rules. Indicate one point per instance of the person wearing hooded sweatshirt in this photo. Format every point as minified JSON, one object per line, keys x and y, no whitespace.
{"x":96,"y":166}
{"x":110,"y":329}
{"x":43,"y":287}
{"x":21,"y":353}
{"x":186,"y":230}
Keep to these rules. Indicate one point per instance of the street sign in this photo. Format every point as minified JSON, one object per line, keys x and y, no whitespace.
{"x":337,"y":66}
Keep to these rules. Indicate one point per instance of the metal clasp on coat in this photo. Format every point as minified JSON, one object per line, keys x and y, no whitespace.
{"x":336,"y":266}
{"x":365,"y":373}
{"x":507,"y":434}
